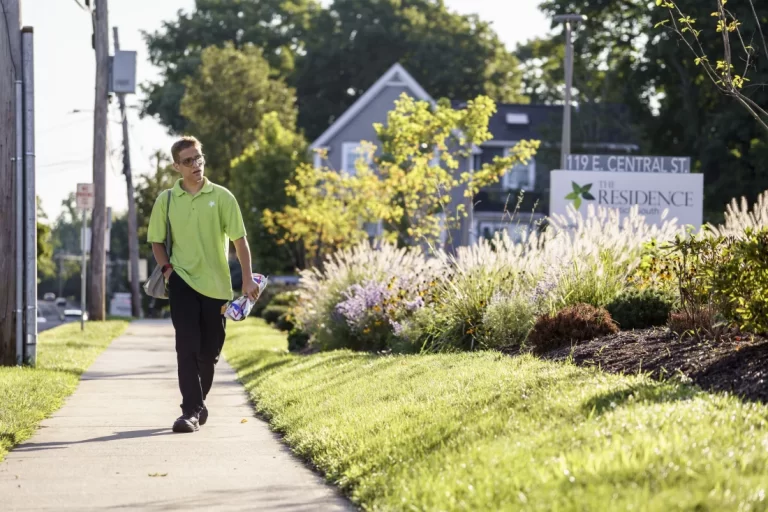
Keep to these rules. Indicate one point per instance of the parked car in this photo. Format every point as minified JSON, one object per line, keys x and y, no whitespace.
{"x":74,"y":314}
{"x":49,"y":297}
{"x":61,"y":301}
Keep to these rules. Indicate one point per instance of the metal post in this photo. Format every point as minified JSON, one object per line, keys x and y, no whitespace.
{"x":82,"y":272}
{"x":565,"y":149}
{"x":30,"y":203}
{"x":569,"y":20}
{"x":133,"y":235}
{"x":19,"y":223}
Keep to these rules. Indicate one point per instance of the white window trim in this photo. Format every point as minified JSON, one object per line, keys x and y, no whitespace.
{"x":531,"y":174}
{"x":344,"y":151}
{"x":511,"y":228}
{"x":317,"y":157}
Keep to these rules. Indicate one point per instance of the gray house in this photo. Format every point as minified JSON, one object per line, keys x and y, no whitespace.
{"x":495,"y":208}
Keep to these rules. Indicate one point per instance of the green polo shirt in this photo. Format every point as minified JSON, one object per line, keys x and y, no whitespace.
{"x":201,"y":228}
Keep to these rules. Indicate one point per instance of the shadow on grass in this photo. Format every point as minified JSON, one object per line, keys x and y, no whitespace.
{"x":645,"y":393}
{"x":117,"y":436}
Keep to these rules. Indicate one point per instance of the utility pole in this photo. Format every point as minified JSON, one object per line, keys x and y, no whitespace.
{"x":570,"y":20}
{"x":11,"y":155}
{"x":133,"y":236}
{"x":98,"y":220}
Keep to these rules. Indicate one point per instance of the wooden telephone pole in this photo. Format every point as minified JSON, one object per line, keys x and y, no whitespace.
{"x":133,"y":235}
{"x":10,"y":87}
{"x":97,"y":304}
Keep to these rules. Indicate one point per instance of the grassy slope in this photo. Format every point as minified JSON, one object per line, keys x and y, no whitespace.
{"x":484,"y":431}
{"x":28,"y":395}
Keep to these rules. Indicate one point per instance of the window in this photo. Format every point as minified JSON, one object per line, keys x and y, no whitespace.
{"x":487,"y":229}
{"x":351,"y":152}
{"x":520,"y":176}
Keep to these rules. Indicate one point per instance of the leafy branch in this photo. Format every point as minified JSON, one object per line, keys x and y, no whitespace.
{"x":723,"y":73}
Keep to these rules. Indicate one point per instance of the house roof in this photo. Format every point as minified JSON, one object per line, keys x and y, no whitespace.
{"x":600,"y":125}
{"x":396,"y":75}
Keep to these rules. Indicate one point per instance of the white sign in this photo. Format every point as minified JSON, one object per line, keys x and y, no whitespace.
{"x":107,"y":240}
{"x":629,"y":163}
{"x":85,"y":197}
{"x":681,"y":194}
{"x":124,"y":72}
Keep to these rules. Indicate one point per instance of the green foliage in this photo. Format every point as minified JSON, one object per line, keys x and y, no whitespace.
{"x":487,"y":432}
{"x":276,"y":26}
{"x":572,"y":324}
{"x":640,"y":309}
{"x":289,"y":298}
{"x":740,"y":282}
{"x":259,"y":176}
{"x":285,"y":322}
{"x":272,"y":314}
{"x":451,"y":55}
{"x":297,"y":340}
{"x":507,"y":321}
{"x":407,"y":188}
{"x":671,"y":105}
{"x":225,"y":102}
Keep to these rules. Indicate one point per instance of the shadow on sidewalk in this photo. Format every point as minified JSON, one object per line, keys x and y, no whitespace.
{"x":117,"y":436}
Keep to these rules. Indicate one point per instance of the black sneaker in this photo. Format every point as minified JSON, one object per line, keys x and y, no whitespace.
{"x":203,"y":416}
{"x":186,"y":423}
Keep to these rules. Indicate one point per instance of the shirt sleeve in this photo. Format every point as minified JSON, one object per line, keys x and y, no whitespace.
{"x":156,"y":231}
{"x":233,"y":219}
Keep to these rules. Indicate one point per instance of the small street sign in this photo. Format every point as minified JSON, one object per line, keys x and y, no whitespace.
{"x":85,"y":196}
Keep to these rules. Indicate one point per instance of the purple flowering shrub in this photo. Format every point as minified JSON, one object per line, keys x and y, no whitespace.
{"x":373,"y":313}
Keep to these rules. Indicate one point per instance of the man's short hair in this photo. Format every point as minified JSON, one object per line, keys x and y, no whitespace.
{"x":184,"y":143}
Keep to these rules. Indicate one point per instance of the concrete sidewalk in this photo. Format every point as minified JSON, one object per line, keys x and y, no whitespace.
{"x":111,"y":445}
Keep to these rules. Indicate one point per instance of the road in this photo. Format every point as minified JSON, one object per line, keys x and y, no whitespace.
{"x":51,"y":312}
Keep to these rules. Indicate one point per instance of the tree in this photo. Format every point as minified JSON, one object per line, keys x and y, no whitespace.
{"x":259,"y":176}
{"x":728,"y":80}
{"x":353,"y":42}
{"x":670,"y":99}
{"x":407,"y":188}
{"x":148,"y":188}
{"x":331,"y":55}
{"x":226,"y":100}
{"x":45,"y":266}
{"x":275,"y":26}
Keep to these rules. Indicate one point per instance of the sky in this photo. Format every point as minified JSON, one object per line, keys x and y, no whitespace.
{"x":65,"y":74}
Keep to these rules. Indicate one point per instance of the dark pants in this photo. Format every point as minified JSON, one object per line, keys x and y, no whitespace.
{"x":200,"y":332}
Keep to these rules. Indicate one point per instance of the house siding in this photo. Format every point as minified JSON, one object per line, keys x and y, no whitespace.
{"x":361,"y":127}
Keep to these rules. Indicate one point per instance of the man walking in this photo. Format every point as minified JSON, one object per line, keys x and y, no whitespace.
{"x":203,"y":218}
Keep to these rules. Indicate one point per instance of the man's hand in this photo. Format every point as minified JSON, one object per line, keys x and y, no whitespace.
{"x":250,"y":288}
{"x":168,"y":273}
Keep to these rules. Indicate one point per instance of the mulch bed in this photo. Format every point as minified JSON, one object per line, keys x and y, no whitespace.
{"x":737,"y":364}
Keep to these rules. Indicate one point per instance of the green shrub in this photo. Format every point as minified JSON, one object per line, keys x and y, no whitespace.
{"x":288,"y":298}
{"x":740,"y":282}
{"x":297,"y":340}
{"x":570,"y":325}
{"x":285,"y":322}
{"x":272,"y":313}
{"x":641,"y":309}
{"x":507,"y":321}
{"x":270,"y":292}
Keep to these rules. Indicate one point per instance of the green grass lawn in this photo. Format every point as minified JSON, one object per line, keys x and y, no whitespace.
{"x":484,"y":431}
{"x":29,"y":395}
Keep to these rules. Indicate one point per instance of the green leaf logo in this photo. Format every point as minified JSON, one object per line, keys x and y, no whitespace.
{"x":580,"y":192}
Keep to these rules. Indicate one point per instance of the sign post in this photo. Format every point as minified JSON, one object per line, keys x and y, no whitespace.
{"x":85,"y":202}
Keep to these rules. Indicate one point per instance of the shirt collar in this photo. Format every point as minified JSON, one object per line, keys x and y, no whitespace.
{"x":178,"y":191}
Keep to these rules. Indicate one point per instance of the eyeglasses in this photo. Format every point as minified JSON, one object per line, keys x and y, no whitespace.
{"x":199,"y":160}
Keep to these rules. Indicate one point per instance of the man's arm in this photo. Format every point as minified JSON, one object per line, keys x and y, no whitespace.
{"x":244,"y":256}
{"x":161,"y":257}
